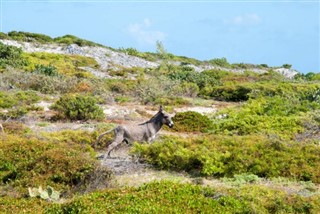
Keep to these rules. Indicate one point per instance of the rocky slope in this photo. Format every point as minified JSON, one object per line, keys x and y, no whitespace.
{"x":110,"y":59}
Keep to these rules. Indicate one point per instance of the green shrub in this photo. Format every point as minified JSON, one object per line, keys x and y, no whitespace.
{"x":78,"y":107}
{"x":39,"y":82}
{"x":234,"y":93}
{"x":149,"y":90}
{"x":70,"y":39}
{"x":4,"y":36}
{"x":191,"y":121}
{"x":228,"y":156}
{"x":267,"y":115}
{"x":287,"y":66}
{"x":204,"y":79}
{"x":14,"y":127}
{"x":121,"y":86}
{"x":221,"y":62}
{"x":11,"y":56}
{"x":161,"y":197}
{"x":46,"y":70}
{"x":29,"y":37}
{"x":169,"y":197}
{"x":18,"y":103}
{"x":32,"y":162}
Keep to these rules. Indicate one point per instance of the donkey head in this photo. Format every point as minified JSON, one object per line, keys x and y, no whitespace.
{"x":165,"y":118}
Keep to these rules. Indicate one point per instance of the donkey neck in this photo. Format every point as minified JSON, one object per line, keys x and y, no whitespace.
{"x":156,"y":124}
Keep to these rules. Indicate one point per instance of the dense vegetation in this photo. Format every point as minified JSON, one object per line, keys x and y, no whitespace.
{"x":269,"y":129}
{"x":174,"y":198}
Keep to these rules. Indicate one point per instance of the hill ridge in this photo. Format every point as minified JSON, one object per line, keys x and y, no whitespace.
{"x":112,"y":59}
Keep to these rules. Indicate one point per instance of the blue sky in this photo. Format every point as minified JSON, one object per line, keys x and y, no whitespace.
{"x":259,"y":32}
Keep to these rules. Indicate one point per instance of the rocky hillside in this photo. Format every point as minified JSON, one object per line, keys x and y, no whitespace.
{"x":112,"y":59}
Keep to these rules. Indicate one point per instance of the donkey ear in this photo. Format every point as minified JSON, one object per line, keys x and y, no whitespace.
{"x":160,"y":109}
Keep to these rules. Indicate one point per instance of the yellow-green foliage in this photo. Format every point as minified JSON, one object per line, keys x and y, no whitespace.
{"x":18,"y":103}
{"x":65,"y":64}
{"x":29,"y":37}
{"x":32,"y":162}
{"x":191,"y":121}
{"x":10,"y":56}
{"x":170,"y":197}
{"x":14,"y":127}
{"x":84,"y":138}
{"x":18,"y":205}
{"x":71,"y":136}
{"x":70,"y":39}
{"x":41,"y":38}
{"x":226,"y":156}
{"x":17,"y":98}
{"x":267,"y":115}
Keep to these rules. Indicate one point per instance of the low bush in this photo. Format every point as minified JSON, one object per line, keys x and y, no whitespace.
{"x":78,"y":107}
{"x":191,"y":121}
{"x":29,"y":37}
{"x":70,"y":39}
{"x":227,"y":156}
{"x":14,"y":127}
{"x":221,"y":62}
{"x":266,"y":115}
{"x":46,"y":70}
{"x":11,"y":56}
{"x":169,"y":197}
{"x":149,"y":90}
{"x":17,"y":98}
{"x":17,"y":103}
{"x":31,"y":162}
{"x":234,"y":93}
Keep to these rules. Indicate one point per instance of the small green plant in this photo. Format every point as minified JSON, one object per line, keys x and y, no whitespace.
{"x":48,"y":194}
{"x":78,"y":107}
{"x":48,"y":70}
{"x":221,"y":62}
{"x":240,"y":179}
{"x":287,"y":66}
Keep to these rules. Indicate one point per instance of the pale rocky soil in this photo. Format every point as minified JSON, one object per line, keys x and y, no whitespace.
{"x":110,"y":59}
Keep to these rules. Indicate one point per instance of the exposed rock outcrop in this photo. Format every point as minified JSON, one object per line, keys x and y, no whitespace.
{"x":110,"y":59}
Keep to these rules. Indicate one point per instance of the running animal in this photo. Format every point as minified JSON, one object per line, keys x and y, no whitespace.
{"x":144,"y":132}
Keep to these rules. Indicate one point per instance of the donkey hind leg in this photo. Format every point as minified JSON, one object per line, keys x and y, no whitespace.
{"x":100,"y":136}
{"x":119,"y":132}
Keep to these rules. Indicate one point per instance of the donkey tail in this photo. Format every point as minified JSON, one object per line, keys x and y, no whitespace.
{"x":100,"y":136}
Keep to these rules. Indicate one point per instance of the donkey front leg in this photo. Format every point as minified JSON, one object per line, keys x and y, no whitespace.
{"x":112,"y":146}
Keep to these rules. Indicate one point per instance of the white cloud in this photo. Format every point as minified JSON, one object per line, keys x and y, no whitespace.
{"x":245,"y":19}
{"x":143,"y":33}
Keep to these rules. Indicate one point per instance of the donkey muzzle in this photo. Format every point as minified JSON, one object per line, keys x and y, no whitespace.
{"x":170,"y":124}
